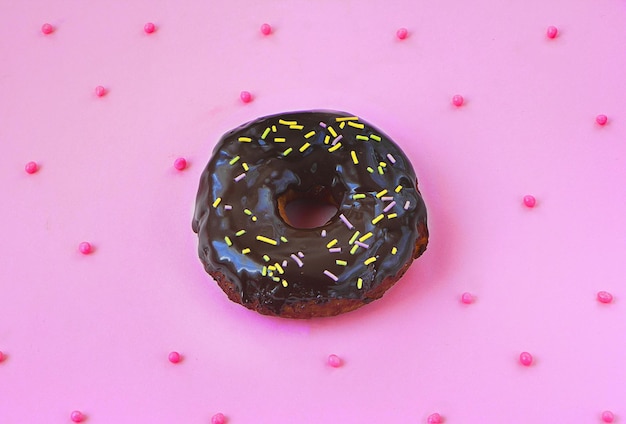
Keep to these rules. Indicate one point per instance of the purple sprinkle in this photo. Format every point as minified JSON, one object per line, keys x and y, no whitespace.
{"x":386,"y":198}
{"x":335,"y":250}
{"x":322,"y":124}
{"x":363,"y":245}
{"x":391,"y":158}
{"x":339,"y":137}
{"x":240,"y":176}
{"x":301,"y":254}
{"x":389,"y":206}
{"x":331,"y":275}
{"x":285,"y":263}
{"x":228,"y":207}
{"x":407,"y":204}
{"x":323,"y":233}
{"x":345,"y":221}
{"x":297,"y":260}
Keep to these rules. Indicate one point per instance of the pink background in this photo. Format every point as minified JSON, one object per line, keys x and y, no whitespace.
{"x":93,"y":332}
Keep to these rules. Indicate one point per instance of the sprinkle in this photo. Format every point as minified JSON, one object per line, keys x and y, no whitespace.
{"x":358,"y":196}
{"x":335,"y":147}
{"x":286,"y":152}
{"x":359,"y":283}
{"x":332,"y":131}
{"x":354,"y":249}
{"x":304,"y":147}
{"x":392,"y":215}
{"x":341,"y":262}
{"x":457,"y":100}
{"x":377,"y":219}
{"x":245,"y":166}
{"x":240,"y":176}
{"x":331,"y":275}
{"x":31,"y":167}
{"x":240,"y":233}
{"x":407,"y":204}
{"x":336,"y":140}
{"x":526,"y":358}
{"x":297,"y":260}
{"x":266,"y":29}
{"x":394,"y":250}
{"x":245,"y":251}
{"x":265,"y":133}
{"x":234,"y":160}
{"x":48,"y":29}
{"x":254,"y":219}
{"x":309,"y":134}
{"x":391,"y":158}
{"x":386,"y":198}
{"x":279,"y":268}
{"x":283,"y":239}
{"x":380,"y":170}
{"x":276,"y":279}
{"x":326,"y":139}
{"x":323,"y":124}
{"x":284,"y":283}
{"x":363,"y":245}
{"x":383,"y":164}
{"x":228,"y":207}
{"x":530,"y":201}
{"x":267,"y":240}
{"x":85,"y":248}
{"x":284,"y":263}
{"x":296,"y":127}
{"x":228,"y":241}
{"x":356,"y":125}
{"x":552,"y":31}
{"x":100,"y":91}
{"x":264,"y":271}
{"x":273,"y":128}
{"x":362,"y":137}
{"x":370,"y":169}
{"x":370,"y":260}
{"x":279,"y":139}
{"x":247,"y":211}
{"x":375,"y":137}
{"x":604,"y":297}
{"x":301,"y":254}
{"x":335,"y":250}
{"x":323,"y":233}
{"x":245,"y":139}
{"x":217,"y":202}
{"x":402,"y":33}
{"x":381,"y":193}
{"x":347,"y":118}
{"x":331,"y":243}
{"x":345,"y":221}
{"x":354,"y":158}
{"x":397,"y":190}
{"x":389,"y":206}
{"x":366,"y":236}
{"x":354,"y":236}
{"x":283,"y":122}
{"x":266,"y":258}
{"x":342,"y":125}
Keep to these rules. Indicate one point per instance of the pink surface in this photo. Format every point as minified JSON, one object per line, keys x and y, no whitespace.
{"x":92,"y":333}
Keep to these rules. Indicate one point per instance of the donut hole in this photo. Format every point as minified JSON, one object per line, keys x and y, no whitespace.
{"x":307,"y":209}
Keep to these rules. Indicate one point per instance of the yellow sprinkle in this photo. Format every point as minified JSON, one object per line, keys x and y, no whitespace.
{"x":355,"y":125}
{"x":397,"y":190}
{"x":327,"y":139}
{"x":309,"y":134}
{"x":246,"y":251}
{"x":383,"y":164}
{"x":354,"y":158}
{"x":247,"y":211}
{"x":370,"y":260}
{"x":380,"y":170}
{"x":283,"y":239}
{"x":245,"y":166}
{"x":245,"y":139}
{"x":375,"y":137}
{"x":254,"y":218}
{"x":240,"y":233}
{"x":267,"y":240}
{"x":358,"y":196}
{"x":347,"y":118}
{"x":265,"y":133}
{"x":217,"y":202}
{"x":394,"y":250}
{"x":354,"y":249}
{"x":335,"y":147}
{"x":266,"y":258}
{"x":264,"y":271}
{"x":271,"y":268}
{"x":381,"y":193}
{"x":286,"y":152}
{"x":342,"y":125}
{"x":228,"y":241}
{"x":279,"y":268}
{"x":234,"y":160}
{"x":285,"y":283}
{"x":354,"y":236}
{"x":332,"y":131}
{"x":365,"y":236}
{"x":277,"y":279}
{"x":370,"y":170}
{"x":282,"y":121}
{"x":273,"y":128}
{"x":359,"y":283}
{"x":378,"y":218}
{"x":392,"y":215}
{"x":279,"y":139}
{"x":296,"y":127}
{"x":304,"y":147}
{"x":341,"y":262}
{"x":331,"y":243}
{"x":362,"y":137}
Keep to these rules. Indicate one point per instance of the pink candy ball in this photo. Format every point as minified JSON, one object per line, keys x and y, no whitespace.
{"x":530,"y":201}
{"x":402,"y":33}
{"x":174,"y":357}
{"x":607,"y":416}
{"x":1,"y":356}
{"x":334,"y":361}
{"x":180,"y":164}
{"x":245,"y":96}
{"x":85,"y":248}
{"x":218,"y":418}
{"x":47,"y":29}
{"x":526,"y":358}
{"x":266,"y":29}
{"x":31,"y":167}
{"x":602,"y":119}
{"x":77,"y":416}
{"x":467,"y":298}
{"x":552,"y":31}
{"x":604,"y":297}
{"x":457,"y":100}
{"x":434,"y":418}
{"x":100,"y":91}
{"x":149,"y":28}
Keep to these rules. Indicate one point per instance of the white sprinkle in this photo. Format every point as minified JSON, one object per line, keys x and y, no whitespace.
{"x":336,"y":140}
{"x":407,"y":204}
{"x":323,"y":233}
{"x":389,"y":206}
{"x":285,"y":263}
{"x":335,"y":250}
{"x":386,"y":198}
{"x":228,"y":207}
{"x":301,"y":254}
{"x":323,"y":124}
{"x":331,"y":275}
{"x":240,"y":176}
{"x":297,"y":260}
{"x":361,"y":244}
{"x":345,"y":221}
{"x":391,"y":158}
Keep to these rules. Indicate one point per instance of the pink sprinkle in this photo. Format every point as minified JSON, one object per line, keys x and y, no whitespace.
{"x":386,"y":198}
{"x":345,"y":221}
{"x":407,"y":204}
{"x":180,"y":164}
{"x":245,"y":96}
{"x":100,"y":91}
{"x":391,"y":158}
{"x":77,"y":416}
{"x":467,"y":298}
{"x":297,"y":260}
{"x":607,"y":416}
{"x":323,"y":124}
{"x":331,"y":275}
{"x":530,"y":201}
{"x":266,"y":29}
{"x":301,"y":254}
{"x":434,"y":418}
{"x":552,"y":31}
{"x":240,"y":177}
{"x":85,"y":248}
{"x":457,"y":100}
{"x":323,"y":233}
{"x":285,"y":263}
{"x":334,"y":361}
{"x":525,"y":358}
{"x":218,"y":418}
{"x":602,"y":119}
{"x":605,"y":297}
{"x":149,"y":28}
{"x":31,"y":167}
{"x":336,"y":140}
{"x":174,"y":357}
{"x":402,"y":33}
{"x":389,"y":206}
{"x":335,"y":250}
{"x":47,"y":29}
{"x":361,"y":244}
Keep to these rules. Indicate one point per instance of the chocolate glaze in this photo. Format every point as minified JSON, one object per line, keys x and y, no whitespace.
{"x":245,"y":180}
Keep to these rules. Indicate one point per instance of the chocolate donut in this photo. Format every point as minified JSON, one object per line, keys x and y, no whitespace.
{"x":261,"y":261}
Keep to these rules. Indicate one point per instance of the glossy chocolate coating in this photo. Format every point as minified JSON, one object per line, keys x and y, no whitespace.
{"x":274,"y":266}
